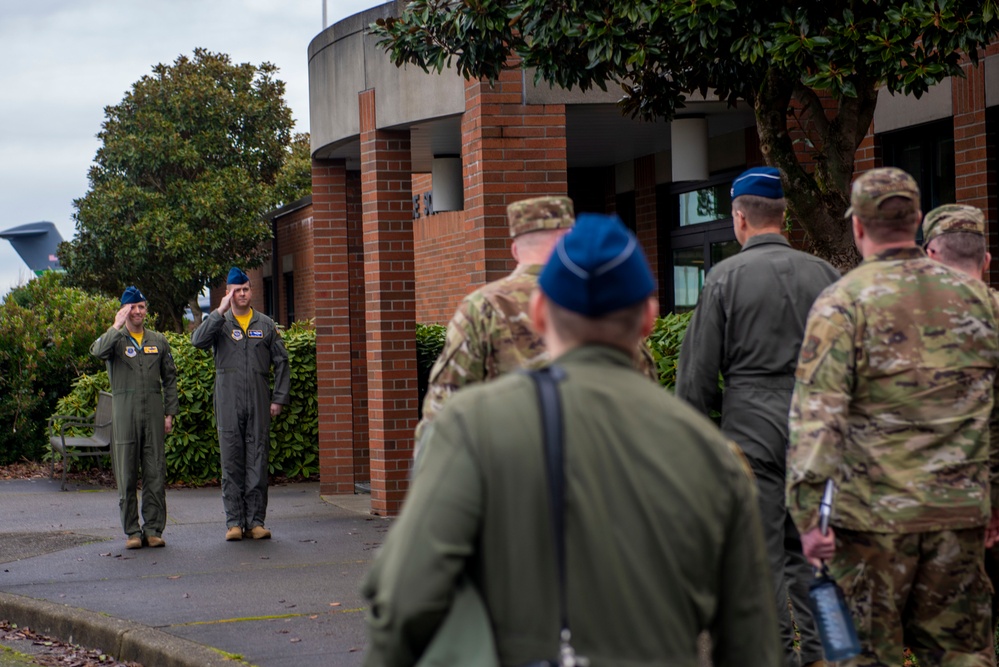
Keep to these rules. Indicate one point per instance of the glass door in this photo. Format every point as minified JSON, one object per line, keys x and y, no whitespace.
{"x":696,"y":230}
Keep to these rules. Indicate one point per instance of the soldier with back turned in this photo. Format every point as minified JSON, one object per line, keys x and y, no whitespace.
{"x":490,"y":334}
{"x":892,"y":401}
{"x":954,"y":234}
{"x":748,"y":326}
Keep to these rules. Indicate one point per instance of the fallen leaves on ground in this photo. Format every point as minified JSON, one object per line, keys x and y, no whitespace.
{"x":49,"y":652}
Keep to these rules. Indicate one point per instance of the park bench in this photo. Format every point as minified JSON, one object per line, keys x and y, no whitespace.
{"x":74,"y":446}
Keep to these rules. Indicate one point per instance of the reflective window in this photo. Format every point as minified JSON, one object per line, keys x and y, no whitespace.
{"x":706,"y":205}
{"x":688,"y":277}
{"x":927,"y":153}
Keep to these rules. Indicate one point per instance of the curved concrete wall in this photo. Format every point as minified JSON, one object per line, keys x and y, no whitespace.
{"x":345,"y":60}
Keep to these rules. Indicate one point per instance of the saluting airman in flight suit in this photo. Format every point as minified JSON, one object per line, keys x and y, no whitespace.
{"x":144,"y":390}
{"x":246,"y":344}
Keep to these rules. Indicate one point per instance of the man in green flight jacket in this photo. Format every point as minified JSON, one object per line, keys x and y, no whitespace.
{"x":144,"y":389}
{"x":246,"y":344}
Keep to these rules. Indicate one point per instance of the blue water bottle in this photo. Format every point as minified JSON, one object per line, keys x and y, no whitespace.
{"x":835,"y":624}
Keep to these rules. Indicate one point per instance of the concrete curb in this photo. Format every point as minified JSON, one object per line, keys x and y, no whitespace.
{"x":124,"y":640}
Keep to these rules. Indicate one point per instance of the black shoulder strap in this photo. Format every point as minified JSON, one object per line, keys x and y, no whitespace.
{"x":546,"y":381}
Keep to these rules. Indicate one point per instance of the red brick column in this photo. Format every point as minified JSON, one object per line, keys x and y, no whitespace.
{"x":971,"y":168}
{"x":646,"y":224}
{"x":358,"y":328}
{"x":971,"y":165}
{"x":390,"y":306}
{"x":333,"y":335}
{"x":512,"y":151}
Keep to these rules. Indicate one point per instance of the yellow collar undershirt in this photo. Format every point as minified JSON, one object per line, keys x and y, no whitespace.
{"x":244,"y":320}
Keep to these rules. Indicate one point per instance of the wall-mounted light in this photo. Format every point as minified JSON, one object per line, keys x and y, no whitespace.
{"x":689,"y":148}
{"x":448,"y":188}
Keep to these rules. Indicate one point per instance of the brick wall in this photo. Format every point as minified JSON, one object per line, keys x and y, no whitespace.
{"x":294,"y":237}
{"x":443,"y":271}
{"x":512,"y":151}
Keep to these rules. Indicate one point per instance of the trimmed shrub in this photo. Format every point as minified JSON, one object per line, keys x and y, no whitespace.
{"x":295,"y":432}
{"x":429,"y":343}
{"x":664,"y":342}
{"x":45,"y":334}
{"x":192,"y":448}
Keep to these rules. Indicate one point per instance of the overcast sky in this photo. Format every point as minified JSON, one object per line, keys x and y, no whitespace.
{"x":65,"y":60}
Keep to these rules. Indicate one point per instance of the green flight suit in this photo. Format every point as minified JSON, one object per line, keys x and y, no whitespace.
{"x":243,"y":400}
{"x":748,"y":326}
{"x":144,"y":390}
{"x":662,"y":529}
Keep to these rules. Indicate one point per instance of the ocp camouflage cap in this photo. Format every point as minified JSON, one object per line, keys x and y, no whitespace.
{"x":534,"y":215}
{"x":951,"y":218}
{"x":874,"y":187}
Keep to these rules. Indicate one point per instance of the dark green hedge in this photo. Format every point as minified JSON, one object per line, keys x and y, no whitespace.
{"x":192,"y":447}
{"x":664,"y":342}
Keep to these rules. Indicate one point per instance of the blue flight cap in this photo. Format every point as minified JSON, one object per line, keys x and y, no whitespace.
{"x":236,"y":277}
{"x":759,"y":181}
{"x":597,"y":268}
{"x":131,"y":295}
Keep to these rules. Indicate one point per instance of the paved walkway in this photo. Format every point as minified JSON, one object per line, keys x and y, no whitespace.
{"x":201,"y":601}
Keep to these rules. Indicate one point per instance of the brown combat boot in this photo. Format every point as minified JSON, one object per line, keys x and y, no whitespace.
{"x":154,"y":541}
{"x":234,"y":534}
{"x":133,"y":542}
{"x":259,"y":533}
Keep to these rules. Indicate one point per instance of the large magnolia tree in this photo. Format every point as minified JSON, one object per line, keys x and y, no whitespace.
{"x":188,"y":165}
{"x":788,"y":58}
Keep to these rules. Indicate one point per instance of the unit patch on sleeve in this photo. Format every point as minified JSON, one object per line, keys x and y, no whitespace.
{"x":255,"y":333}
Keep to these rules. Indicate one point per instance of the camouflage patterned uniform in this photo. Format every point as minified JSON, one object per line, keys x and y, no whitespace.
{"x":491,"y":333}
{"x":892,"y":400}
{"x":961,"y":219}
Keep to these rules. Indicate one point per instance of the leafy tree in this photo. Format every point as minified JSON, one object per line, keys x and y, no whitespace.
{"x":294,"y":181}
{"x":46,"y":330}
{"x":819,"y":63}
{"x":179,"y":186}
